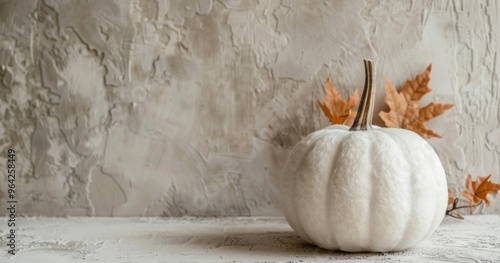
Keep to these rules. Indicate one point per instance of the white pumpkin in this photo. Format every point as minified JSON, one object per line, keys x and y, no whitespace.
{"x":364,"y":189}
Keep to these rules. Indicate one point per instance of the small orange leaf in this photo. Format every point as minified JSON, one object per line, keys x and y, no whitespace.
{"x":337,"y":110}
{"x":451,"y":197}
{"x":404,"y":112}
{"x":477,"y":191}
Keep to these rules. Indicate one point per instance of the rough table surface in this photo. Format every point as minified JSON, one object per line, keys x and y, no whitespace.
{"x":475,"y":239}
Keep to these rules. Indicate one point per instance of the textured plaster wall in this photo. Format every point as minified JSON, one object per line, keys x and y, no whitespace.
{"x":170,"y":108}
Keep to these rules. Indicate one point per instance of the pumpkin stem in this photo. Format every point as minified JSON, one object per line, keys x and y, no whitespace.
{"x":363,"y":120}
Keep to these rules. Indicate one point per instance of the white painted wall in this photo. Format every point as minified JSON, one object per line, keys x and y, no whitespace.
{"x":131,"y":108}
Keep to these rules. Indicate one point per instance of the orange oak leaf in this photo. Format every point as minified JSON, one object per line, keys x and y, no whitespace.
{"x":476,"y":191}
{"x":404,"y":111}
{"x":451,"y":197}
{"x":337,"y":110}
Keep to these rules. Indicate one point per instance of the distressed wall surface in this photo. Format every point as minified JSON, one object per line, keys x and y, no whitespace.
{"x":170,"y":108}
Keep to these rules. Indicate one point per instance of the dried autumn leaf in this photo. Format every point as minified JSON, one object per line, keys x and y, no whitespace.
{"x":404,"y":112}
{"x":476,"y":191}
{"x":337,"y":110}
{"x":451,"y":197}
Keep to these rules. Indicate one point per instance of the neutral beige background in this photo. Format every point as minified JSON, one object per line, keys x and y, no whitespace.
{"x":169,"y":108}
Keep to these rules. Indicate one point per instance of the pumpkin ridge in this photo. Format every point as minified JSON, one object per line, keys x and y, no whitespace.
{"x":369,"y":235}
{"x":311,"y":147}
{"x":295,"y":202}
{"x":354,"y":244}
{"x":375,"y":192}
{"x":312,"y":139}
{"x":398,"y":141}
{"x":411,"y":200}
{"x":433,"y":227}
{"x":383,"y":138}
{"x":328,"y":201}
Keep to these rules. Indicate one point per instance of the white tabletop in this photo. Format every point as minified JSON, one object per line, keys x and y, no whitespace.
{"x":258,"y":239}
